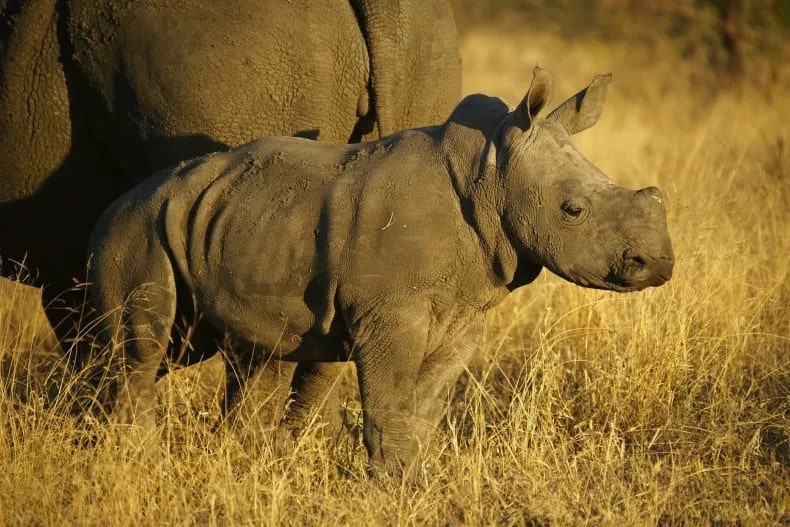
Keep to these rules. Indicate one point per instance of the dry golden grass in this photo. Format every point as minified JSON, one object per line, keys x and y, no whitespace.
{"x":669,"y":406}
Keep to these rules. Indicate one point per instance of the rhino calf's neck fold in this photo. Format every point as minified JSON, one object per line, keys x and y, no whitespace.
{"x":387,"y":253}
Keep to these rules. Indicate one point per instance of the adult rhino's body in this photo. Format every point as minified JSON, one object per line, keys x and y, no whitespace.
{"x":97,"y":95}
{"x":387,"y":253}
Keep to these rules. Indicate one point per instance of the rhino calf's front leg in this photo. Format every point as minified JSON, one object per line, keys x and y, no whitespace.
{"x":403,"y":387}
{"x":441,"y":369}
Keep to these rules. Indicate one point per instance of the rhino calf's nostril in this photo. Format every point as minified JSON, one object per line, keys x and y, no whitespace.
{"x":636,"y":260}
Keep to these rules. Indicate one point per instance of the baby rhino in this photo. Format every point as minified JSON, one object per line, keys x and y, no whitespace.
{"x":388,"y":253}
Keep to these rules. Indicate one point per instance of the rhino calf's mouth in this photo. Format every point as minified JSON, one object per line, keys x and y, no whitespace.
{"x":640,"y":272}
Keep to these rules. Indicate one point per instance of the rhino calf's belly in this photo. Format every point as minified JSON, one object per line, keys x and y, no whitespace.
{"x":282,"y":326}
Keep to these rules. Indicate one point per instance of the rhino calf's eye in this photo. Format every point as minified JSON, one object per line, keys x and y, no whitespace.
{"x":572,"y":209}
{"x":575,"y":211}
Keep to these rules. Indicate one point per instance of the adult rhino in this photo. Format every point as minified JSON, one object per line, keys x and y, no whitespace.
{"x":387,"y":253}
{"x":95,"y":95}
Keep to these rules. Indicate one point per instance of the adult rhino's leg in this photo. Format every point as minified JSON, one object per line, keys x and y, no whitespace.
{"x":35,"y":127}
{"x":55,"y":178}
{"x":415,"y":64}
{"x":23,"y":317}
{"x":50,"y":191}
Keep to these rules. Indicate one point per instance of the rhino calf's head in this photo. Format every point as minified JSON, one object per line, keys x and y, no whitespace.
{"x":562,"y":211}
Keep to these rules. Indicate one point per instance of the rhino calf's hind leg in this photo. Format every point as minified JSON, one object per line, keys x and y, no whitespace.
{"x":316,"y":388}
{"x":136,"y":298}
{"x":242,"y":363}
{"x":264,"y":394}
{"x":256,"y":390}
{"x":143,"y":341}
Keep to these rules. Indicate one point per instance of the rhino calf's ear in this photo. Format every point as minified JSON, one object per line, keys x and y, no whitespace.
{"x":583,"y":109}
{"x":538,"y":96}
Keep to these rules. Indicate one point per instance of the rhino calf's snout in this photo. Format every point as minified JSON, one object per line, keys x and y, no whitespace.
{"x":641,"y":268}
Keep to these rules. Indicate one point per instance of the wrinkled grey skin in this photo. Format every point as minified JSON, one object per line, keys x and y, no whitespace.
{"x":387,"y":253}
{"x":96,"y":95}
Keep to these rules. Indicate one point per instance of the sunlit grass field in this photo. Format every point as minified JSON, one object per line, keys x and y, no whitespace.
{"x":668,"y":406}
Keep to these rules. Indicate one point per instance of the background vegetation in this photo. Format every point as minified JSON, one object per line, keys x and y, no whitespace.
{"x":669,"y":406}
